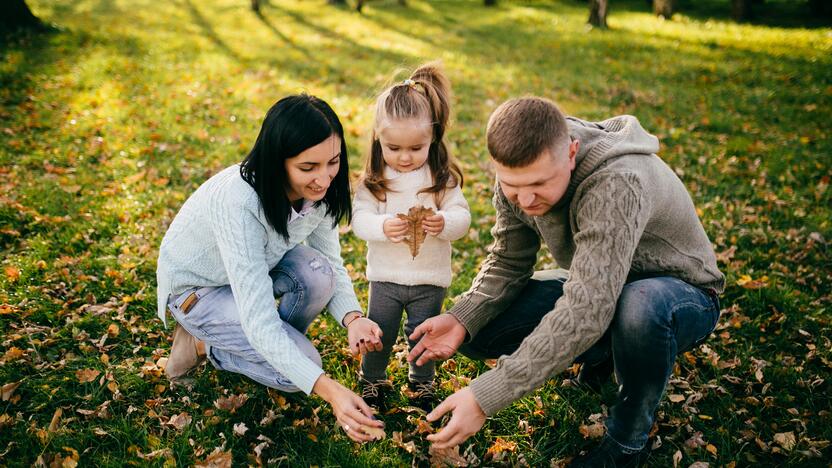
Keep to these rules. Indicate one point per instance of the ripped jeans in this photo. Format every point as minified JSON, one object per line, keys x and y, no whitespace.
{"x":655,"y":320}
{"x":303,"y":281}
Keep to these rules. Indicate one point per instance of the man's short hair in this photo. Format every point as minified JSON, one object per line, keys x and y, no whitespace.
{"x":521,"y":129}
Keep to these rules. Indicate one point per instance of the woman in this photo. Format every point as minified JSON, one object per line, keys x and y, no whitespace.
{"x":236,"y":245}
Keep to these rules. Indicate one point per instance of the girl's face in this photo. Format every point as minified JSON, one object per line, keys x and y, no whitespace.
{"x":311,"y":171}
{"x":405,"y":143}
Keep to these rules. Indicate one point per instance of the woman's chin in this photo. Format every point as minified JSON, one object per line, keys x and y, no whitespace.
{"x":315,"y":196}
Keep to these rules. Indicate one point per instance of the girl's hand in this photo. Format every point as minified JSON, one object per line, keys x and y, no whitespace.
{"x":349,"y":409}
{"x":364,"y":336}
{"x":395,"y":229}
{"x":434,"y":225}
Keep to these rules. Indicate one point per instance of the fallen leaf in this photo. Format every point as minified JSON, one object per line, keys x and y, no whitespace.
{"x":180,"y":421}
{"x":240,"y":429}
{"x":699,"y":464}
{"x":376,"y":433}
{"x":711,"y":449}
{"x":415,"y":232}
{"x":87,"y":375}
{"x":501,"y":445}
{"x":112,"y":330}
{"x":56,"y":418}
{"x":676,"y":398}
{"x":8,"y":390}
{"x":446,"y":457}
{"x":677,"y":457}
{"x":785,"y":440}
{"x":593,"y":431}
{"x":695,"y":441}
{"x":12,"y":273}
{"x":231,"y":403}
{"x":217,"y":459}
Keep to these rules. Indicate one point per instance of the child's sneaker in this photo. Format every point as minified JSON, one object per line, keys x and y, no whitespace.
{"x":422,"y":394}
{"x":375,"y":393}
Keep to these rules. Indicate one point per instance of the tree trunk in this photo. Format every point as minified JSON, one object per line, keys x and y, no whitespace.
{"x":598,"y":13}
{"x":741,"y":10}
{"x":490,"y":2}
{"x":663,"y":8}
{"x":403,"y":2}
{"x":255,"y":6}
{"x":18,"y":15}
{"x":359,"y":4}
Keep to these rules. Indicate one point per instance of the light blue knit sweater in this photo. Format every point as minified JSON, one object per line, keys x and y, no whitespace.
{"x":221,"y":237}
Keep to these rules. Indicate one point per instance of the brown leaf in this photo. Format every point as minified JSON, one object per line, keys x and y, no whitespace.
{"x":677,"y":457}
{"x":676,"y":398}
{"x":87,"y":375}
{"x":180,"y":421}
{"x":56,"y":418}
{"x":8,"y":390}
{"x":699,"y":464}
{"x":446,"y":457}
{"x":217,"y":459}
{"x":12,"y":273}
{"x":409,"y":447}
{"x":112,"y":330}
{"x":501,"y":445}
{"x":240,"y":429}
{"x":415,"y":232}
{"x":785,"y":440}
{"x":376,"y":433}
{"x":231,"y":403}
{"x":593,"y":431}
{"x":695,"y":441}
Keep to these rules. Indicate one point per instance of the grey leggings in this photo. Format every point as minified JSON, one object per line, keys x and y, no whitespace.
{"x":387,"y":300}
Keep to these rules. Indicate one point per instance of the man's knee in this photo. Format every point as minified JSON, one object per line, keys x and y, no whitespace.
{"x":641,"y":308}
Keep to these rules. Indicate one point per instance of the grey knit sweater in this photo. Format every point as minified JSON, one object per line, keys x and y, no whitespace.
{"x":624,"y":215}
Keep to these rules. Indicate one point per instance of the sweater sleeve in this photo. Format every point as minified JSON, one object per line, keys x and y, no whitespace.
{"x":325,"y":239}
{"x":367,"y":222}
{"x":241,"y":240}
{"x":457,"y":216}
{"x":610,"y":217}
{"x":506,"y":269}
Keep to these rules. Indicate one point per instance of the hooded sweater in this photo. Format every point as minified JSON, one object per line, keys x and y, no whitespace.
{"x":625,"y":215}
{"x":391,"y":262}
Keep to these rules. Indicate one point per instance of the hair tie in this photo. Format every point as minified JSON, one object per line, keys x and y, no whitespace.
{"x":409,"y":82}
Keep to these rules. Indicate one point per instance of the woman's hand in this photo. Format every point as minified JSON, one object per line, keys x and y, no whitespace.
{"x":364,"y":336}
{"x":352,"y":413}
{"x":434,"y":225}
{"x":395,"y":229}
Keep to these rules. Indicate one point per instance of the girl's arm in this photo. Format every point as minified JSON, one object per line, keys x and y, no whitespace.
{"x":367,"y":222}
{"x":456,"y":213}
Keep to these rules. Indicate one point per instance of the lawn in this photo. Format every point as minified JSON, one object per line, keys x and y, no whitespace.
{"x":111,"y":120}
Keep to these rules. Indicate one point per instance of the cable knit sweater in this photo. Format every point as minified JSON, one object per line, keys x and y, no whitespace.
{"x":392,"y":262}
{"x":625,"y":215}
{"x":221,"y":237}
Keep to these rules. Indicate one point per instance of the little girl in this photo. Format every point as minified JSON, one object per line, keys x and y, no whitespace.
{"x":409,"y":166}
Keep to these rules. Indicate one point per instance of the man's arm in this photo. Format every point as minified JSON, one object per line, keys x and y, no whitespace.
{"x":505,"y":271}
{"x":610,"y":217}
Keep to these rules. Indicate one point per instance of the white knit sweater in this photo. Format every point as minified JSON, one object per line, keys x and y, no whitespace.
{"x":221,"y":237}
{"x":392,"y":262}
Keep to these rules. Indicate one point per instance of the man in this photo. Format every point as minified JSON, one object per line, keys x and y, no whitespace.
{"x":641,"y":286}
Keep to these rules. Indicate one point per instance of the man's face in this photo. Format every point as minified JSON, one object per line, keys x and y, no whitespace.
{"x":539,"y":186}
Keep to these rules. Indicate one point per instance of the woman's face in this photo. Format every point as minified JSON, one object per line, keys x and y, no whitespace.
{"x":311,"y":172}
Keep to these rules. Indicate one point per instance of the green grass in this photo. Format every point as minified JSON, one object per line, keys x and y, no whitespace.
{"x":109,"y":122}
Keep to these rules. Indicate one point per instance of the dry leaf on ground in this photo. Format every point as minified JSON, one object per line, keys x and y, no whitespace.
{"x":446,"y":457}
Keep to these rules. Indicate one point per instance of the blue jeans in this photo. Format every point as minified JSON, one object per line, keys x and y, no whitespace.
{"x":655,"y":320}
{"x":303,"y":281}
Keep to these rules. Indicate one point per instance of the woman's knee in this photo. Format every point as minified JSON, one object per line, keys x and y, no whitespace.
{"x":312,"y":270}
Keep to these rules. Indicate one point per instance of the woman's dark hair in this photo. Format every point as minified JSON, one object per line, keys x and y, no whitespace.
{"x":293,"y":125}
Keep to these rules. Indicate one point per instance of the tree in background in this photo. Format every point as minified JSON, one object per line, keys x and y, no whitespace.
{"x":598,"y":13}
{"x":741,"y":10}
{"x":18,"y":15}
{"x":663,"y":8}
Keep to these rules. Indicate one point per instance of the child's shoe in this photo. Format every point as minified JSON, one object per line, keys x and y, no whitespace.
{"x":422,"y":394}
{"x":375,"y":393}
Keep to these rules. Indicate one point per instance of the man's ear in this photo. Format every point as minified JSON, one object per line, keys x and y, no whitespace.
{"x":574,"y":145}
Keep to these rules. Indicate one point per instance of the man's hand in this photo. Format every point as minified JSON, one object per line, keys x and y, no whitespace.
{"x":466,"y":419}
{"x":441,"y":337}
{"x":364,"y":336}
